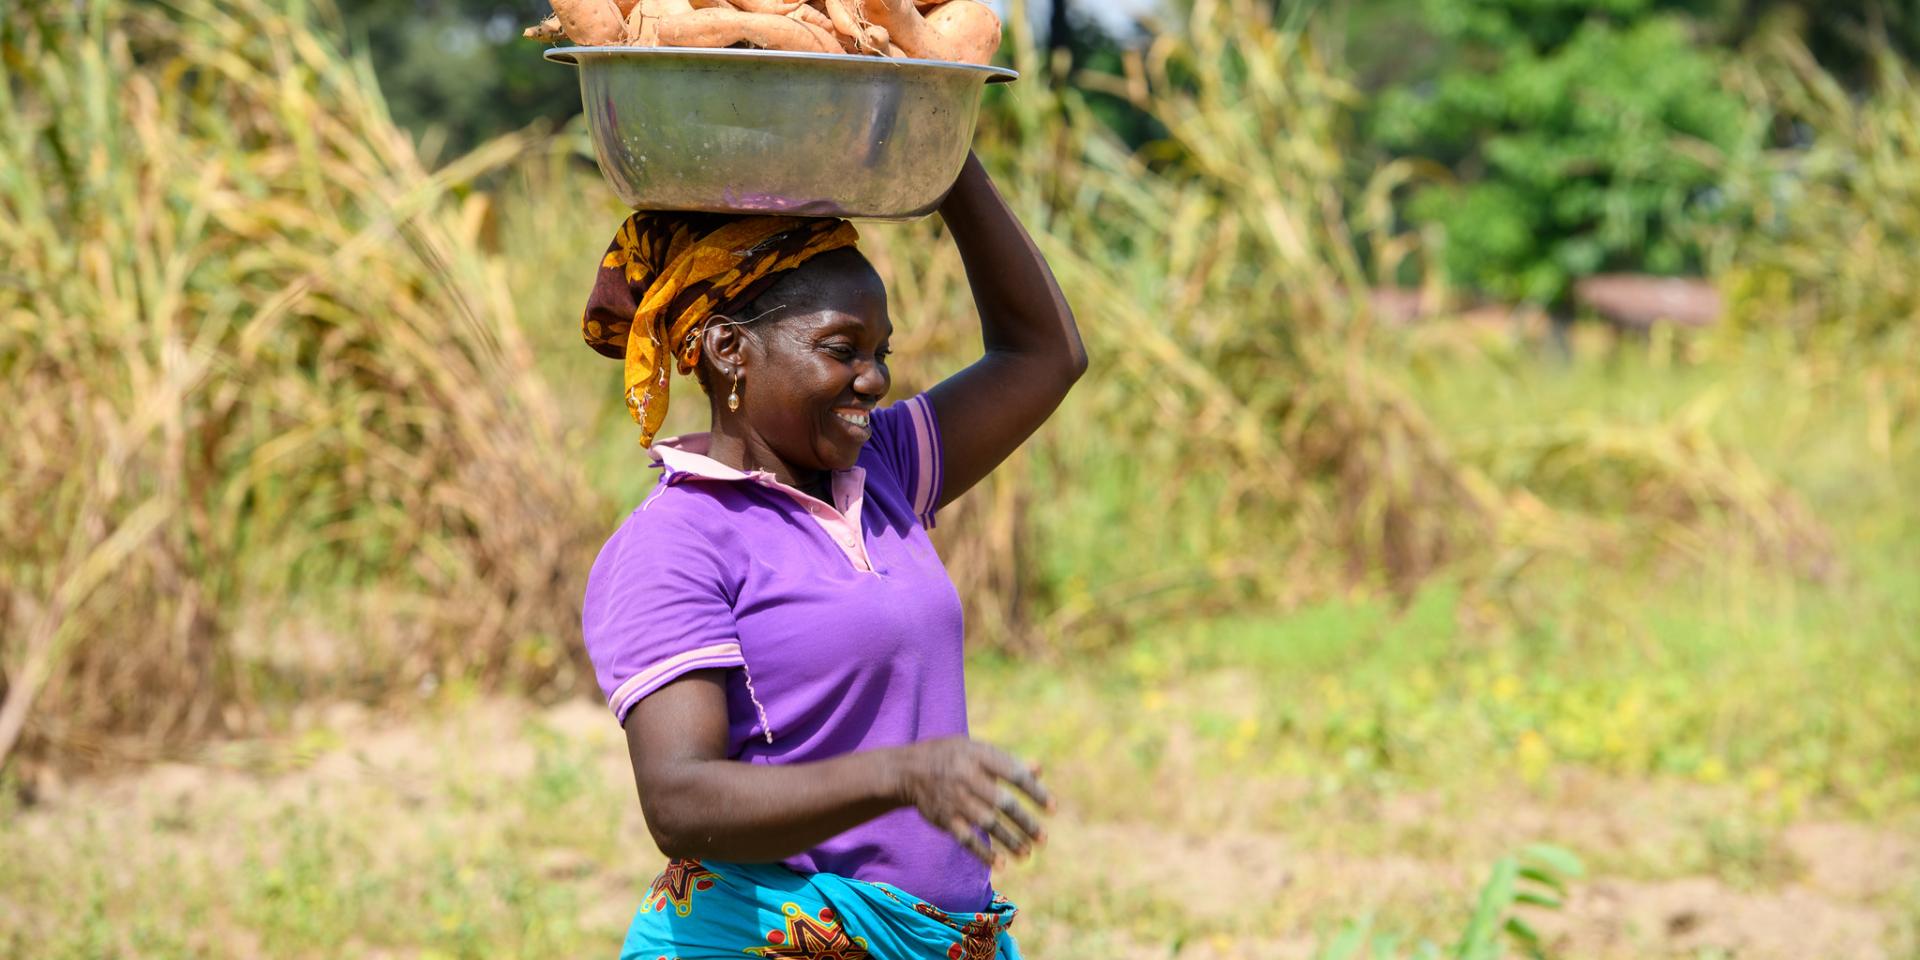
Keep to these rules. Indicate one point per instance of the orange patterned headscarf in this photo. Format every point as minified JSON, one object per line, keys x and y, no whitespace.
{"x":666,"y":274}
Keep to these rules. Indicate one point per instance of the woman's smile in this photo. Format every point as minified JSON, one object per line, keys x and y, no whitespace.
{"x":857,"y":421}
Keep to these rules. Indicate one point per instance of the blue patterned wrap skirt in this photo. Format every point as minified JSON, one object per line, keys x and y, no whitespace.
{"x":706,"y":910}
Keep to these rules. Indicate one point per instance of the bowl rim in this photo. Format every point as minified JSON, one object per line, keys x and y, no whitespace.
{"x":572,"y":56}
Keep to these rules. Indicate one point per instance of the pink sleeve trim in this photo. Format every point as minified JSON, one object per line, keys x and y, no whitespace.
{"x":653,"y":678}
{"x":926,"y":442}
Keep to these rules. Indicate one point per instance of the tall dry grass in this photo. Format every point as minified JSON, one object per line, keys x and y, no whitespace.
{"x":1836,"y":224}
{"x":270,"y":421}
{"x":1830,"y":267}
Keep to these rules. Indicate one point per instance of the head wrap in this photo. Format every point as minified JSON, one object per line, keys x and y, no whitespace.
{"x":666,"y":274}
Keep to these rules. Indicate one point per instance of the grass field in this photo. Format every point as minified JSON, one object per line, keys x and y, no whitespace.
{"x":1227,"y":807}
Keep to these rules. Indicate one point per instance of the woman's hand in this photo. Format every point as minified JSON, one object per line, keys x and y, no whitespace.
{"x":963,"y":786}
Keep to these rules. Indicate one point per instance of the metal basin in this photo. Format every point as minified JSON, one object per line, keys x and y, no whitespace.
{"x":760,"y":131}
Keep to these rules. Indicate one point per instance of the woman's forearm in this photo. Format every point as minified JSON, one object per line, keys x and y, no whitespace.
{"x":1022,"y":310}
{"x":752,"y":813}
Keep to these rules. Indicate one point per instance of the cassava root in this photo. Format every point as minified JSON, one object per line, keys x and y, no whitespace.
{"x":966,"y":31}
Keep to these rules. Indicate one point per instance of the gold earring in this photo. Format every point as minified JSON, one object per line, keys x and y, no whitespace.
{"x":733,"y":399}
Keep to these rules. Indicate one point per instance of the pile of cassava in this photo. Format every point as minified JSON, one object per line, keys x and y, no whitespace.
{"x":965,"y":31}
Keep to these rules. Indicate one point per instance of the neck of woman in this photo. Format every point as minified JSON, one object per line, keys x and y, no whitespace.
{"x":747,"y":454}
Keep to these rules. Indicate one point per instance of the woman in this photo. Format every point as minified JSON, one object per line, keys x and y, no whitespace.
{"x":772,"y":626}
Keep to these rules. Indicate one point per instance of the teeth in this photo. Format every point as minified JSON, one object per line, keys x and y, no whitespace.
{"x":858,"y":419}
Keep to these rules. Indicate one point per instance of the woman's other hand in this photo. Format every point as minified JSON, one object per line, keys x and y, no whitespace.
{"x":964,"y":786}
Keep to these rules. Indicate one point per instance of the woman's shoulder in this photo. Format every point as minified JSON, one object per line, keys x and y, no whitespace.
{"x":669,"y":545}
{"x":673,"y":516}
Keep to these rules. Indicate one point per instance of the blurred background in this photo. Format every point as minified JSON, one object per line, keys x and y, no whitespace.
{"x":1488,"y":527}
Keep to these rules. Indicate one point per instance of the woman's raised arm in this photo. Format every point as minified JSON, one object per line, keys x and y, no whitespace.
{"x":1032,"y":350}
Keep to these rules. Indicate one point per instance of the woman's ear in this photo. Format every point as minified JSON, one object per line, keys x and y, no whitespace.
{"x":725,"y":345}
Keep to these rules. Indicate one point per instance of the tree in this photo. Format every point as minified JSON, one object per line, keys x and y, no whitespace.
{"x":1582,"y":134}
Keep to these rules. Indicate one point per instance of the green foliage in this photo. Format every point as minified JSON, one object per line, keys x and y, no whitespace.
{"x":1536,"y":878}
{"x":1585,"y":137}
{"x":1846,"y":37}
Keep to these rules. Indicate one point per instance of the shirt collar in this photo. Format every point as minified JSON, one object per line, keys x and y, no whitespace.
{"x":686,"y":455}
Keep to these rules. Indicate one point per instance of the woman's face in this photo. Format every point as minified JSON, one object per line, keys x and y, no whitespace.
{"x":813,"y":369}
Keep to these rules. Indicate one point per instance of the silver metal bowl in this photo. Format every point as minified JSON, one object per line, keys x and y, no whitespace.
{"x":761,"y":131}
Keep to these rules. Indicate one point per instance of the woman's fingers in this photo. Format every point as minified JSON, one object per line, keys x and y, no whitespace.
{"x":1024,"y":776}
{"x":963,"y":831}
{"x":1005,"y":834}
{"x":1001,"y":813}
{"x":1029,"y":783}
{"x":1012,"y":809}
{"x":1008,"y":838}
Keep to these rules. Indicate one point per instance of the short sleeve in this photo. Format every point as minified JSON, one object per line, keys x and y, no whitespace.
{"x":657,"y":606}
{"x":906,"y":440}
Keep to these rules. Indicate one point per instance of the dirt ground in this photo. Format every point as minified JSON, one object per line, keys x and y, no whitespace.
{"x":1212,"y":873}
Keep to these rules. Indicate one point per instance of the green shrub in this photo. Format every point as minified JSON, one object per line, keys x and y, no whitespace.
{"x":1584,"y":137}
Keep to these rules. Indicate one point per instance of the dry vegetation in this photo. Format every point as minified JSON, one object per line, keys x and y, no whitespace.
{"x":258,"y":376}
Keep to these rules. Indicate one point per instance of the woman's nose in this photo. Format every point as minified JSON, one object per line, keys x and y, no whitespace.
{"x":871,"y":378}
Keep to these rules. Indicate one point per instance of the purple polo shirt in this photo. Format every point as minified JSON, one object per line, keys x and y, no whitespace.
{"x":837,"y":625}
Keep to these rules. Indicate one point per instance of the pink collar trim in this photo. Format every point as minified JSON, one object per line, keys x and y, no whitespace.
{"x":686,"y":455}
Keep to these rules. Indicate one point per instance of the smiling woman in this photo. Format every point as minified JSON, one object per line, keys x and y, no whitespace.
{"x":772,"y":625}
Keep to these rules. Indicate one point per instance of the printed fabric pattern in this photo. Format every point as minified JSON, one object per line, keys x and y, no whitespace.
{"x":707,"y":910}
